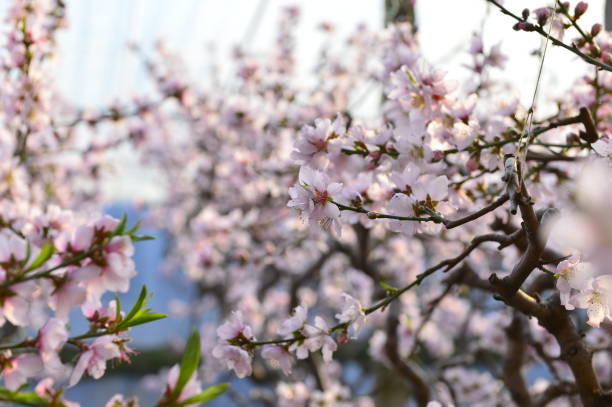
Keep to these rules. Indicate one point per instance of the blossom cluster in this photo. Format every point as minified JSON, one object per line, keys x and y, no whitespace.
{"x":418,"y":189}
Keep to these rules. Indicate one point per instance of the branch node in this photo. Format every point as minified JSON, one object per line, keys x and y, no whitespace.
{"x":590,"y":135}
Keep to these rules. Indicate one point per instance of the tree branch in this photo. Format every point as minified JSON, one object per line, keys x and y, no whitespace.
{"x":405,"y":368}
{"x":513,"y":363}
{"x":554,"y":40}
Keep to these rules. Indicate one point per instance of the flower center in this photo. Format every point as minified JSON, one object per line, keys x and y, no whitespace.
{"x":320,"y":197}
{"x":321,"y":144}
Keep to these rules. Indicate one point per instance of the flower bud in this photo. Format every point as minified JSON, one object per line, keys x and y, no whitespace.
{"x":542,"y":15}
{"x":596,"y":29}
{"x":580,"y":9}
{"x":526,"y":26}
{"x":525,"y":14}
{"x":472,"y":164}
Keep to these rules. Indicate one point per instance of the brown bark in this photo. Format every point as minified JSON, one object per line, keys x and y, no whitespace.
{"x":409,"y":371}
{"x":513,"y":363}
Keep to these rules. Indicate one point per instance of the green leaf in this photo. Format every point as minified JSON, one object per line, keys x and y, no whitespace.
{"x":134,"y":228}
{"x":118,"y":304}
{"x":140,"y":302}
{"x":121,"y":226}
{"x":28,"y":253}
{"x":45,"y":254}
{"x":139,"y":315}
{"x":142,"y":319}
{"x":27,"y":398}
{"x":210,"y":393}
{"x":189,"y":362}
{"x":140,"y":238}
{"x":388,"y":287}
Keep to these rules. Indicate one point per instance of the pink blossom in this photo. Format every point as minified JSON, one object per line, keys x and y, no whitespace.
{"x":20,"y":369}
{"x":407,"y":179}
{"x":77,"y":240}
{"x":94,"y":357}
{"x":12,"y":248}
{"x":234,"y":358}
{"x":295,"y":322}
{"x":495,"y":58}
{"x":317,"y":337}
{"x":542,"y":14}
{"x":402,"y":205}
{"x":278,"y":357}
{"x":313,"y":195}
{"x":68,"y":295}
{"x":315,"y":143}
{"x":434,"y":190}
{"x":572,"y":275}
{"x":597,"y":299}
{"x":106,"y":223}
{"x":233,"y":334}
{"x":292,"y":394}
{"x":234,"y":328}
{"x":116,"y":271}
{"x":50,"y":342}
{"x":464,"y":134}
{"x":15,"y":309}
{"x":352,"y":313}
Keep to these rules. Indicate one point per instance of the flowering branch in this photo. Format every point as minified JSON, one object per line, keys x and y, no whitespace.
{"x":554,"y":40}
{"x":377,"y":215}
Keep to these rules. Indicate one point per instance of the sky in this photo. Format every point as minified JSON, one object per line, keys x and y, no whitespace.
{"x":95,"y":67}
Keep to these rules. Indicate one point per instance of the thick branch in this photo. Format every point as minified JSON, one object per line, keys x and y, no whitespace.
{"x":536,"y":242}
{"x":419,"y":385}
{"x":554,"y":391}
{"x":513,"y":364}
{"x":556,"y":320}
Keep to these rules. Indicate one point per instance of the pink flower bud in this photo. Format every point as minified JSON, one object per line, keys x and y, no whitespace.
{"x":525,"y":14}
{"x":524,"y":26}
{"x":472,"y":164}
{"x":542,"y":15}
{"x":580,"y":9}
{"x":596,"y":29}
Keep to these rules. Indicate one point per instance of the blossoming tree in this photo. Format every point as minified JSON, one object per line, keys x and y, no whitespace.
{"x":56,"y":253}
{"x":454,"y":249}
